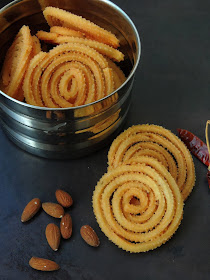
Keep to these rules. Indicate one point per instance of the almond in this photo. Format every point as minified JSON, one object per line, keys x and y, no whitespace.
{"x":89,"y":235}
{"x":66,"y":226}
{"x":43,"y":264}
{"x":53,"y":209}
{"x":31,"y":209}
{"x":64,"y":198}
{"x":53,"y":236}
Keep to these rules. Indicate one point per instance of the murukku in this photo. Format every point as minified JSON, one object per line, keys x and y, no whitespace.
{"x":16,"y":63}
{"x":59,"y":17}
{"x":66,"y":31}
{"x":139,"y":205}
{"x":69,"y":75}
{"x":156,"y":151}
{"x":126,"y":144}
{"x":36,"y":46}
{"x":102,"y":48}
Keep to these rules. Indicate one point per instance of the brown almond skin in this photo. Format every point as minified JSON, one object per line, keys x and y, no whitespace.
{"x":64,"y":198}
{"x":89,"y":235}
{"x":31,"y":209}
{"x":53,"y":209}
{"x":53,"y":236}
{"x":66,"y":226}
{"x":43,"y":264}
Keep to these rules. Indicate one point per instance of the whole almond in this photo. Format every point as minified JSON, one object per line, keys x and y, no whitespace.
{"x":53,"y":209}
{"x":64,"y":198}
{"x":66,"y":226}
{"x":89,"y":235}
{"x":53,"y":236}
{"x":31,"y":209}
{"x":43,"y":264}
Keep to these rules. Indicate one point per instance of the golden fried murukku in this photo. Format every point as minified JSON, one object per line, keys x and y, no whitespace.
{"x":16,"y":63}
{"x":102,"y":48}
{"x":69,"y":75}
{"x":59,"y":17}
{"x":66,"y":31}
{"x":153,"y":134}
{"x":47,"y":37}
{"x":138,"y":206}
{"x":119,"y":76}
{"x":36,"y":46}
{"x":156,"y":151}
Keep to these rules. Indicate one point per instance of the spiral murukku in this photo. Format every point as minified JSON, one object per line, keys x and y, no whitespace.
{"x":138,"y":206}
{"x":16,"y":63}
{"x":102,"y":48}
{"x":69,"y":75}
{"x":58,"y":17}
{"x":129,"y":142}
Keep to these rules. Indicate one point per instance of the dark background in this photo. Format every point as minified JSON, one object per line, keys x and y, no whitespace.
{"x":171,"y":89}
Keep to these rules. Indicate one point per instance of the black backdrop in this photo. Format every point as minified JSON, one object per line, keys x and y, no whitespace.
{"x":171,"y":89}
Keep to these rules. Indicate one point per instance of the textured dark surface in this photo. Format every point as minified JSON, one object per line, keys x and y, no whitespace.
{"x":171,"y":89}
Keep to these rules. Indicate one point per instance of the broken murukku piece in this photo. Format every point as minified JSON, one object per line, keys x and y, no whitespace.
{"x":102,"y":48}
{"x":66,"y":31}
{"x":138,"y":206}
{"x":16,"y":63}
{"x":36,"y":46}
{"x":47,"y":37}
{"x":59,"y":17}
{"x":128,"y":142}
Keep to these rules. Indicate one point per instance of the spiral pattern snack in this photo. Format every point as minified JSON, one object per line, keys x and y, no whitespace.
{"x":16,"y":62}
{"x":58,"y":17}
{"x":138,"y":205}
{"x":49,"y":75}
{"x":176,"y":155}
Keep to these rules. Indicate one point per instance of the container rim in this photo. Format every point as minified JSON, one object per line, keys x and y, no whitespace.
{"x":117,"y":8}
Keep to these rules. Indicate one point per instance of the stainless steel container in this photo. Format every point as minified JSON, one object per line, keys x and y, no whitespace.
{"x":71,"y":132}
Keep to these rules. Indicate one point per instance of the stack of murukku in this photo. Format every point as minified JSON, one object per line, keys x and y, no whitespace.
{"x":78,"y":71}
{"x":16,"y":62}
{"x":139,"y":202}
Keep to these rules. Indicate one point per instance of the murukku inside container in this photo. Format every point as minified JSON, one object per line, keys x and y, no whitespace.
{"x":100,"y":78}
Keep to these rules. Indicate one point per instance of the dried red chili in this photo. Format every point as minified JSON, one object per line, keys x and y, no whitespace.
{"x":208,"y":177}
{"x":208,"y":147}
{"x":197,"y":147}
